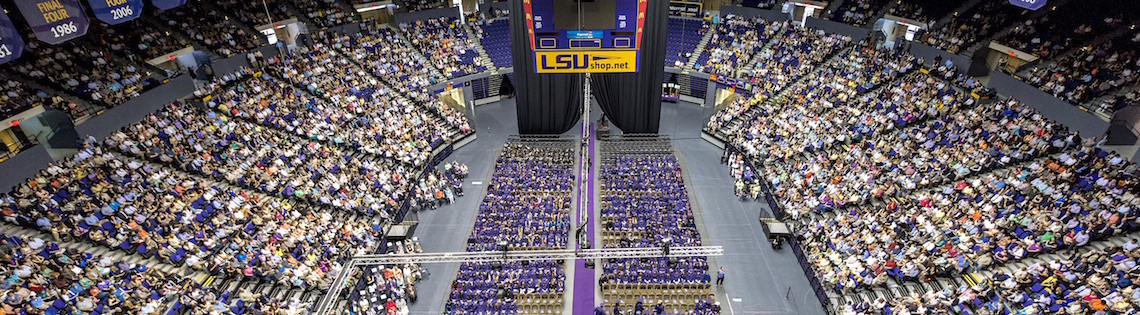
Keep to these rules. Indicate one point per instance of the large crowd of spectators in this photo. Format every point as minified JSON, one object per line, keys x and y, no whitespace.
{"x":854,"y":71}
{"x":527,"y":207}
{"x":379,"y":126}
{"x":945,"y":186}
{"x":1091,"y":72}
{"x":735,"y":41}
{"x":858,"y":12}
{"x":89,"y":73}
{"x":924,"y":11}
{"x":19,"y":96}
{"x":42,"y":277}
{"x":254,"y":13}
{"x":978,"y":23}
{"x":1071,"y":25}
{"x":220,"y":34}
{"x":267,"y":160}
{"x":645,"y":204}
{"x":159,"y":212}
{"x":792,"y":55}
{"x":134,"y":41}
{"x":398,"y":66}
{"x":387,"y":289}
{"x":162,"y":202}
{"x":1095,"y":281}
{"x":445,"y":43}
{"x":326,"y":13}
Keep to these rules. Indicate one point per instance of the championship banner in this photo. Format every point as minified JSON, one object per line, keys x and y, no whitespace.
{"x":54,"y":21}
{"x":116,"y":11}
{"x":1032,"y":5}
{"x":11,"y":44}
{"x":167,"y":4}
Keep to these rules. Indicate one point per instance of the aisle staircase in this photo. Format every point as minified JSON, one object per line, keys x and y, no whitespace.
{"x":437,"y":72}
{"x":751,"y":65}
{"x":89,"y":109}
{"x":883,"y":12}
{"x":831,"y":6}
{"x":954,"y":14}
{"x":700,"y":48}
{"x":985,"y":42}
{"x":484,"y":57}
{"x":723,"y":132}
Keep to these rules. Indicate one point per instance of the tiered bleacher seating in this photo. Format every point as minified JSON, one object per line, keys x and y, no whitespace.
{"x":495,"y":36}
{"x":854,"y":71}
{"x":946,"y":187}
{"x":44,"y":278}
{"x":253,"y":13}
{"x":926,"y":11}
{"x":1099,"y":280}
{"x":388,"y":287}
{"x":684,"y":35}
{"x":735,"y":41}
{"x":211,"y":28}
{"x":134,"y":40}
{"x":527,"y":206}
{"x":857,"y":12}
{"x":399,"y":67}
{"x":644,"y":200}
{"x":794,"y":53}
{"x":91,"y":73}
{"x":420,"y":5}
{"x":18,"y":97}
{"x":444,"y":42}
{"x":326,"y":13}
{"x":978,"y":23}
{"x":1089,"y":73}
{"x":1071,"y":25}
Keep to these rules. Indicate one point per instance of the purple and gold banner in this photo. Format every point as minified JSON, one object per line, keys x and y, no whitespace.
{"x":54,"y":21}
{"x":11,"y":44}
{"x":167,"y":4}
{"x":116,"y":11}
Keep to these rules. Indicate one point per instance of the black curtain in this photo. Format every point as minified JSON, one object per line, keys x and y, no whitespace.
{"x":546,"y":103}
{"x":633,"y":100}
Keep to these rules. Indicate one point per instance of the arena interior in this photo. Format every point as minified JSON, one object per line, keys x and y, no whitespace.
{"x":184,"y":157}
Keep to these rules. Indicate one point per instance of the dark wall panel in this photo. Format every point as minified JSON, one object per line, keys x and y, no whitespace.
{"x":1053,"y":108}
{"x":427,"y":14}
{"x":928,"y":53}
{"x":771,"y":15}
{"x":134,"y":110}
{"x":24,"y":165}
{"x":857,"y":33}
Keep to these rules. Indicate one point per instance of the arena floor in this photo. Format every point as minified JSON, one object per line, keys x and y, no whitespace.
{"x":759,"y":279}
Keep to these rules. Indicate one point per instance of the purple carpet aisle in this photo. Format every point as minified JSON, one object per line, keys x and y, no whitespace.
{"x":583,"y":277}
{"x":644,"y":201}
{"x":528,"y":206}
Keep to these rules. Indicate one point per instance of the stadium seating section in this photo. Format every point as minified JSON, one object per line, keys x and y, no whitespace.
{"x":495,"y":37}
{"x":909,"y":194}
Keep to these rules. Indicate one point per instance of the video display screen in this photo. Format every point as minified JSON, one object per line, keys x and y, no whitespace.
{"x":585,"y":14}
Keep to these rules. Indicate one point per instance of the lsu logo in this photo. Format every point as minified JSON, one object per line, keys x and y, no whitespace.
{"x":597,"y":61}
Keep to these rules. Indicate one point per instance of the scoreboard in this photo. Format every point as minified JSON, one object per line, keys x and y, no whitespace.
{"x":585,"y":36}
